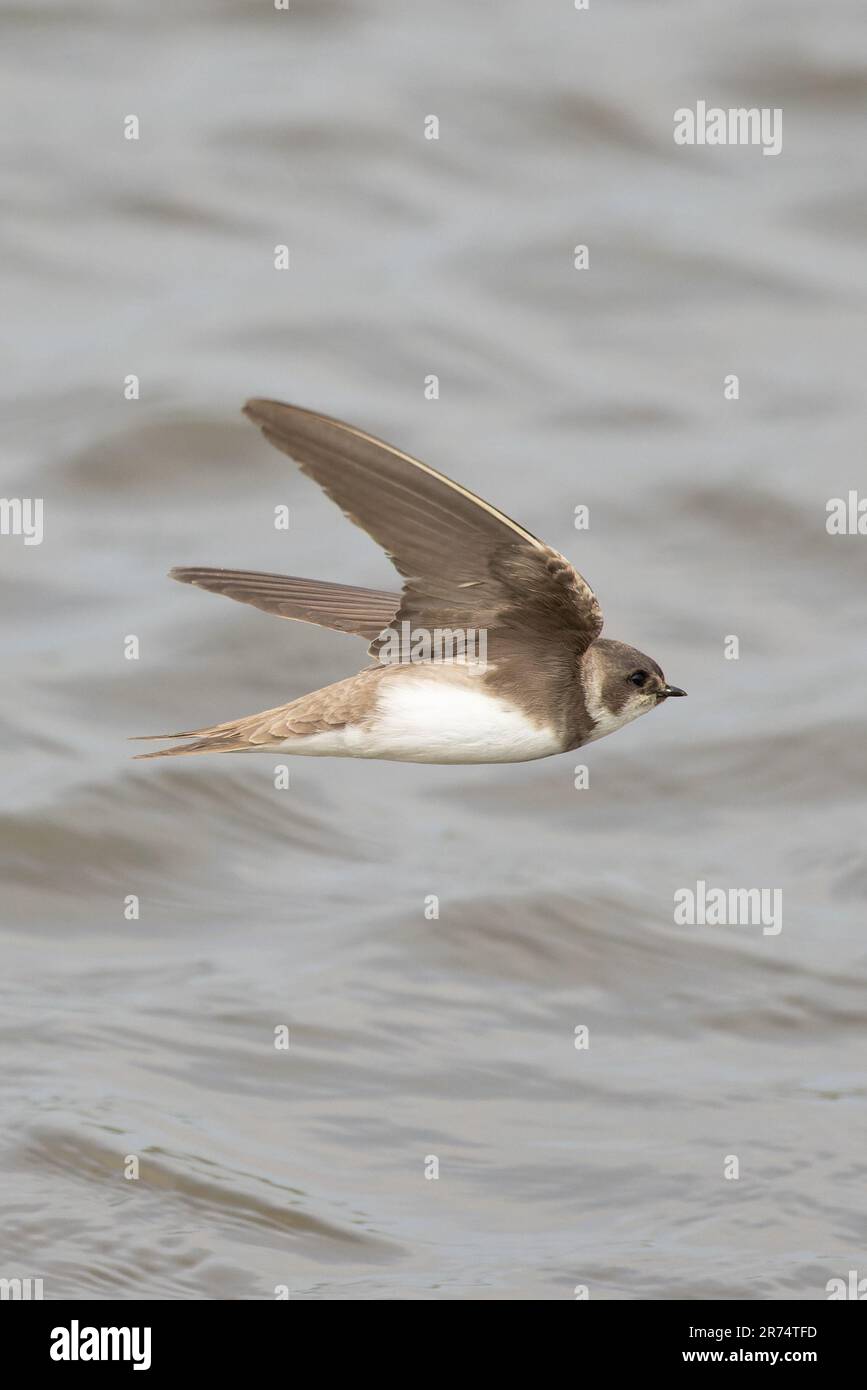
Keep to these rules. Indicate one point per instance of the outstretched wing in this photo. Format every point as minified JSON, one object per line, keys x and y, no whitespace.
{"x":464,"y":563}
{"x":342,"y":607}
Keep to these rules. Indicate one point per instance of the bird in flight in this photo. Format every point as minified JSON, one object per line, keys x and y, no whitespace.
{"x":490,"y":653}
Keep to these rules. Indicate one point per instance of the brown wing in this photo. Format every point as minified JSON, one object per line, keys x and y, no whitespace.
{"x":464,"y":563}
{"x":342,"y":607}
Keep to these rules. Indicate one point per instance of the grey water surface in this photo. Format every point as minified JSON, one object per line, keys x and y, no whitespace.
{"x":413,"y":1037}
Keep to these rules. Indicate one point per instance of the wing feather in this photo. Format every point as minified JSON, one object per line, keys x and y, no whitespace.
{"x":464,"y":563}
{"x":343,"y":607}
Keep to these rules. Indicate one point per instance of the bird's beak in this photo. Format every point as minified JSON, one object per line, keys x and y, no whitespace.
{"x":670,"y":690}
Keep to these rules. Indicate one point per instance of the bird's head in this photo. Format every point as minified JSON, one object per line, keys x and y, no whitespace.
{"x":620,"y":683}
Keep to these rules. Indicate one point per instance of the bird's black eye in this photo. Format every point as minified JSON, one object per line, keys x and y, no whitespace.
{"x":638,"y":677}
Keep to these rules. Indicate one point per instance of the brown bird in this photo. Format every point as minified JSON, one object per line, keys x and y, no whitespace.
{"x":490,"y":653}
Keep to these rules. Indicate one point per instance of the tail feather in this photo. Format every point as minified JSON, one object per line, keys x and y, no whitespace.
{"x":202,"y":745}
{"x":185,"y":733}
{"x":213,"y":737}
{"x":332,"y":707}
{"x":234,"y":736}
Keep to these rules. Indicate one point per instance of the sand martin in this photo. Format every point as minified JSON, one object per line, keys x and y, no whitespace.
{"x":548,"y":682}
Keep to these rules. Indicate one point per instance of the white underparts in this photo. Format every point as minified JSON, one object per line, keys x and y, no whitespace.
{"x":425,"y":719}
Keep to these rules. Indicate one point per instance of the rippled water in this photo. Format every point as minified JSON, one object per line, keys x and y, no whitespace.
{"x":412,"y":1037}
